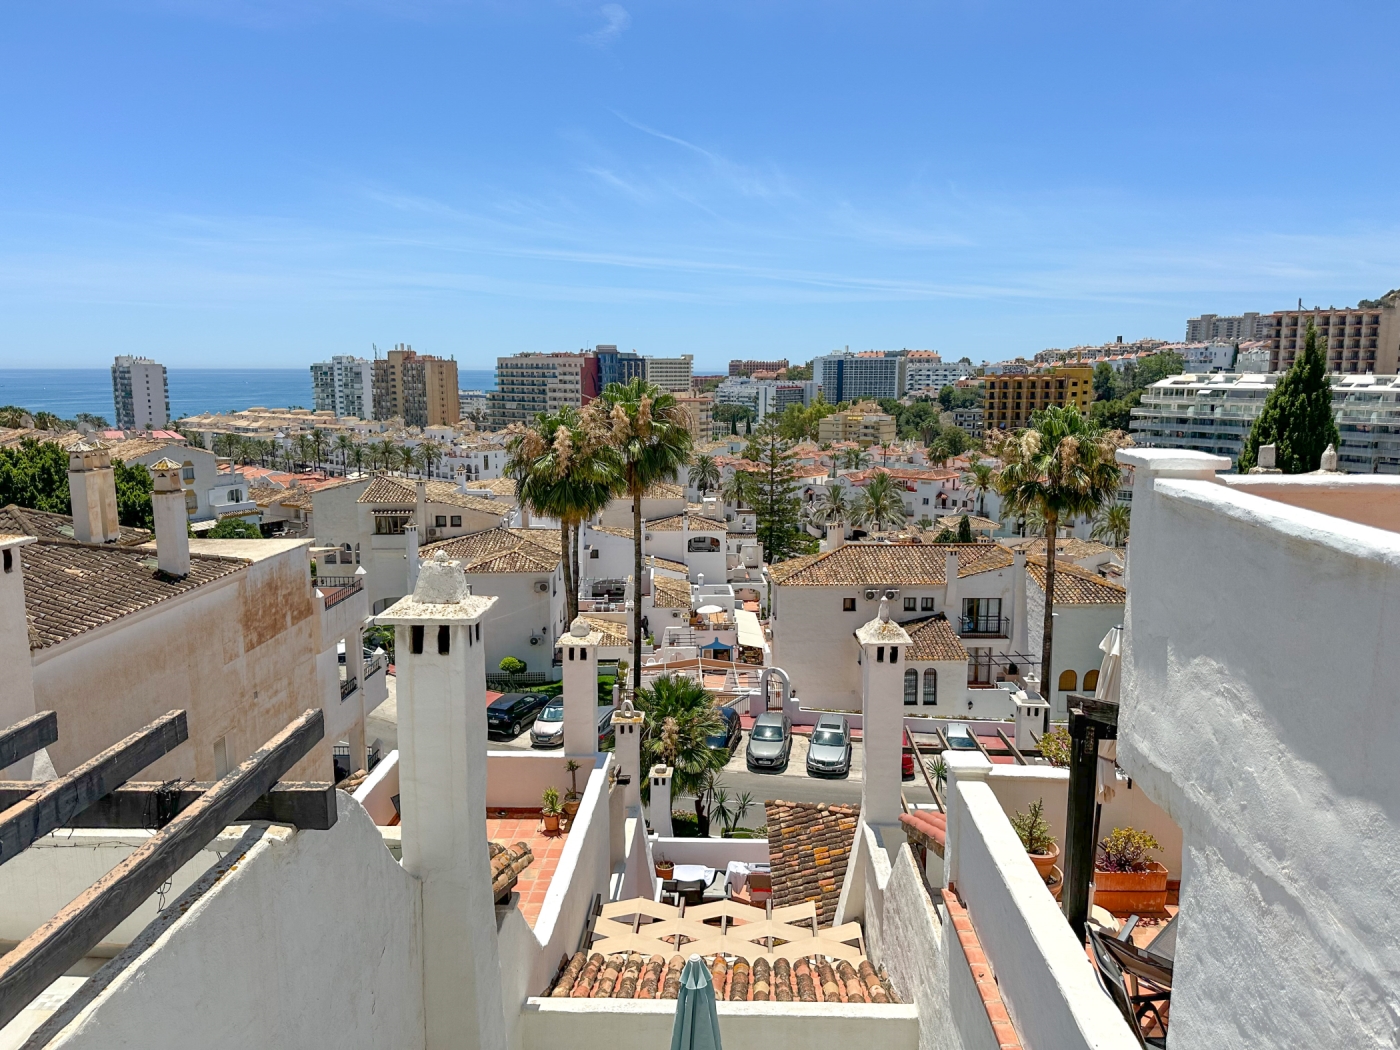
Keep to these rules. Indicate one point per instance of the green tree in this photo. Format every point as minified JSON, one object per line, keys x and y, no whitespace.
{"x":1105,"y":381}
{"x":951,"y":398}
{"x":1297,"y":415}
{"x":964,"y":530}
{"x":652,"y":438}
{"x":512,"y":665}
{"x":1151,"y":369}
{"x":678,"y":715}
{"x":34,"y":474}
{"x":133,"y":495}
{"x":704,"y":473}
{"x":429,"y":454}
{"x":235,"y":529}
{"x":880,"y":501}
{"x":855,"y":459}
{"x":776,"y":505}
{"x":1112,"y":523}
{"x":981,"y":478}
{"x":344,"y":449}
{"x":833,"y":505}
{"x":566,"y":472}
{"x":319,"y":443}
{"x":737,"y":488}
{"x":1060,"y":467}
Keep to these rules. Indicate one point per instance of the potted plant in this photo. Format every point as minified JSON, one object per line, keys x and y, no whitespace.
{"x":572,"y":799}
{"x":1034,"y":832}
{"x":1125,"y":880}
{"x":1055,"y":747}
{"x":551,"y":807}
{"x":664,"y":868}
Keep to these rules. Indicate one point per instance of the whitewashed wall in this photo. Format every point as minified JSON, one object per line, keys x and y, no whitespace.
{"x":1259,"y":710}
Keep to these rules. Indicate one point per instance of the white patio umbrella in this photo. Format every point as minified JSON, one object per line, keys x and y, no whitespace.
{"x":1107,"y":689}
{"x":709,"y":610}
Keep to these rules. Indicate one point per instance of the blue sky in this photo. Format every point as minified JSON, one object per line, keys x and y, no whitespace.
{"x":266,"y":182}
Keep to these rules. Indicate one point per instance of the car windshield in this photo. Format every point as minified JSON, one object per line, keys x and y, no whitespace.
{"x":830,"y":737}
{"x":552,"y":713}
{"x":767,"y":732}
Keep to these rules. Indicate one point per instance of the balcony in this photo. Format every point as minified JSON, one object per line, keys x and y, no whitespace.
{"x":984,"y":626}
{"x":337,"y":588}
{"x":348,"y":686}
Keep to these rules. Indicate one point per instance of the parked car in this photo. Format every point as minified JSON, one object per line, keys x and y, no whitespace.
{"x":770,"y":741}
{"x":727,"y":739}
{"x":960,"y":736}
{"x":830,"y":751}
{"x":508,"y":715}
{"x":548,"y":730}
{"x":906,"y":765}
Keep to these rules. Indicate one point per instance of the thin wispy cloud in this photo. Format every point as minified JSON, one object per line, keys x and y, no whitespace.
{"x":616,"y":20}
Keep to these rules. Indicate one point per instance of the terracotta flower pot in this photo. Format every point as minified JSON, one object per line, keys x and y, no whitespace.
{"x":1129,"y":892}
{"x":1045,"y":861}
{"x":551,"y":822}
{"x":571,"y":808}
{"x":665,"y":871}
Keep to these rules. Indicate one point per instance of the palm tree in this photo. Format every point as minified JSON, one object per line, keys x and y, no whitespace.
{"x":1060,"y":467}
{"x":736,"y":488}
{"x":385,"y":454}
{"x":318,"y":442}
{"x":679,"y":713}
{"x":344,"y":444}
{"x":833,"y":505}
{"x":704,"y":473}
{"x":1112,"y":523}
{"x":406,"y":458}
{"x":429,"y":453}
{"x":880,"y":501}
{"x":357,"y":456}
{"x":855,"y":459}
{"x":981,"y":478}
{"x":652,"y":436}
{"x":562,"y":471}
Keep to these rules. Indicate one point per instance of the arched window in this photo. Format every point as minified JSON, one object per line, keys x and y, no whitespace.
{"x":1068,"y":681}
{"x":931,"y":686}
{"x":1091,"y":680}
{"x":911,"y":686}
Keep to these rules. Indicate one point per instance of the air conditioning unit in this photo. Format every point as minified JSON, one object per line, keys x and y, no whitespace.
{"x":892,"y":593}
{"x":870,"y":594}
{"x":534,"y":639}
{"x":542,"y":586}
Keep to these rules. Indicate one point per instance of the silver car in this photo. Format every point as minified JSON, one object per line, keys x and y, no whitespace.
{"x":548,"y":730}
{"x":770,"y":741}
{"x":830,"y":752}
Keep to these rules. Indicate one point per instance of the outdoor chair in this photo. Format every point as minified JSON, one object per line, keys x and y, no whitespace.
{"x":1163,"y":946}
{"x":1119,"y":966}
{"x":692,"y":892}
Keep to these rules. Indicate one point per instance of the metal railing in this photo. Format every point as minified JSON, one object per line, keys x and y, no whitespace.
{"x":507,"y":683}
{"x":348,"y":686}
{"x":985,"y":626}
{"x":338,"y":588}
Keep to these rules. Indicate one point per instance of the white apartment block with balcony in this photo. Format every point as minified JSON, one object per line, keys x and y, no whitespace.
{"x":1214,"y":413}
{"x":921,"y":373}
{"x":140,"y":394}
{"x":764,"y":396}
{"x":670,"y":373}
{"x":344,"y":385}
{"x":1214,"y":328}
{"x":528,"y":384}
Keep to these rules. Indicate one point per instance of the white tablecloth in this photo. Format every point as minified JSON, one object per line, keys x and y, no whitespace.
{"x":693,"y":873}
{"x":737,"y":871}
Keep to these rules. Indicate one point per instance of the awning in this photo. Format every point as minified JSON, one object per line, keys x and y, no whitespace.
{"x":395,"y":512}
{"x":750,"y":631}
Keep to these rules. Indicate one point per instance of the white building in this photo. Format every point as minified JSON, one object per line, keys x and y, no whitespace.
{"x":929,"y":492}
{"x":764,"y":396}
{"x":210,"y":493}
{"x":1087,"y":606}
{"x":344,"y":385}
{"x":922,"y":373}
{"x":140,"y":394}
{"x":670,"y":373}
{"x":1207,"y":357}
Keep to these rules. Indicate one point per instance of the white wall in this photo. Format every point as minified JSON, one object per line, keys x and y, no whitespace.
{"x":521,"y":614}
{"x":1260,"y":665}
{"x":517,"y":779}
{"x":1078,"y":631}
{"x":309,"y":940}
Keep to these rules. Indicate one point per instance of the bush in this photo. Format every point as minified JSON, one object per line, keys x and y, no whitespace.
{"x":235,"y":529}
{"x":1033,"y":829}
{"x":513,"y":665}
{"x":1055,"y":746}
{"x":1126,"y":849}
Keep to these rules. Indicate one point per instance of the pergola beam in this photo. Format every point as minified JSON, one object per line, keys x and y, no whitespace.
{"x":309,"y":806}
{"x":28,"y":736}
{"x":59,"y":801}
{"x":60,"y":943}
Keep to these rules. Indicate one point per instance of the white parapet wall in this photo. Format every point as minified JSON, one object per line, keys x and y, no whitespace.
{"x":645,"y":1024}
{"x":517,"y":779}
{"x":376,"y":793}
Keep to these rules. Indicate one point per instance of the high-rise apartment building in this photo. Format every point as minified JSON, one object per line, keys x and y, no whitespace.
{"x":1365,"y":338}
{"x":699,"y":415}
{"x":344,"y":385}
{"x":925,"y":369}
{"x":1011,"y":399}
{"x":748,"y":368}
{"x":1213,"y":328}
{"x":851,"y":377}
{"x":765,"y":396}
{"x":140,"y":394}
{"x":614,"y":367}
{"x":528,"y":384}
{"x":670,"y":373}
{"x":420,"y":389}
{"x":866,"y":428}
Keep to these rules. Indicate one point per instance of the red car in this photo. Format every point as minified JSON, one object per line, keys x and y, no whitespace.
{"x":907,"y":762}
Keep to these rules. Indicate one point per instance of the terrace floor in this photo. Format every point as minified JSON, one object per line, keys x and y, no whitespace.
{"x":525,"y":825}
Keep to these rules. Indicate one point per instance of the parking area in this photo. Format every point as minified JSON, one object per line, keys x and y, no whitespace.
{"x":797,"y":762}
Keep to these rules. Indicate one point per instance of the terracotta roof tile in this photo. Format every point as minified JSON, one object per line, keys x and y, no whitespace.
{"x":694,"y":522}
{"x":808,"y":846}
{"x":658,"y":562}
{"x":934,"y":639}
{"x":385,"y":489}
{"x":21,"y":521}
{"x":669,"y":593}
{"x":1076,"y":586}
{"x":897,"y":564}
{"x":503,"y":550}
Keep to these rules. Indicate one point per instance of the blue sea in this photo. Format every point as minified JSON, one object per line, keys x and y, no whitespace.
{"x":68,"y":391}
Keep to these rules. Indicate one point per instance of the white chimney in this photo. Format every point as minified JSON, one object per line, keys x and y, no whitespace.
{"x":441,"y":666}
{"x":579,"y":653}
{"x":172,"y":520}
{"x":92,"y":489}
{"x":461,"y":479}
{"x":17,"y":683}
{"x":951,"y":607}
{"x":627,"y":726}
{"x":835,"y":535}
{"x":1019,"y":641}
{"x":660,"y":808}
{"x":883,"y":643}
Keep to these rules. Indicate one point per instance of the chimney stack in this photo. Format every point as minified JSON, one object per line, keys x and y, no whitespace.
{"x":92,"y":489}
{"x":882,"y":643}
{"x":172,"y":520}
{"x":578,"y":650}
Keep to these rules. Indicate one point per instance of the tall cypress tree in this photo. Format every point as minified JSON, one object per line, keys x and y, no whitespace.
{"x":773,"y":496}
{"x":1297,"y":416}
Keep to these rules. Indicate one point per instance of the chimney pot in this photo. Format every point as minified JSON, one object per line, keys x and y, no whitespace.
{"x":171,"y":519}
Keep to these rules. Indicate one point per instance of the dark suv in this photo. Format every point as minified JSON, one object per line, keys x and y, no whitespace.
{"x":510,"y":714}
{"x":730,"y":733}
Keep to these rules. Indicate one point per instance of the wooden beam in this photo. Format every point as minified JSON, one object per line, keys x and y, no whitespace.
{"x":24,"y":738}
{"x":60,"y":943}
{"x":1015,"y":751}
{"x":59,"y":801}
{"x":308,"y":805}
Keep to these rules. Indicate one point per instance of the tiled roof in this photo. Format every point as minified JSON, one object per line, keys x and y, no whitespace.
{"x":808,"y":846}
{"x":694,"y":522}
{"x":13,"y":438}
{"x":859,"y":477}
{"x":72,"y":587}
{"x":669,"y":593}
{"x":934,"y":639}
{"x":134,"y":448}
{"x":664,"y":490}
{"x":897,"y":564}
{"x":1069,"y":548}
{"x":503,"y":550}
{"x":396,"y":490}
{"x":612,"y":530}
{"x":1075,"y":586}
{"x":500,"y":486}
{"x":22,"y":521}
{"x":614,"y":633}
{"x":658,"y":562}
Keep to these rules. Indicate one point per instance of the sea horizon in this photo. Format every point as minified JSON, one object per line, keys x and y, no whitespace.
{"x":68,"y":391}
